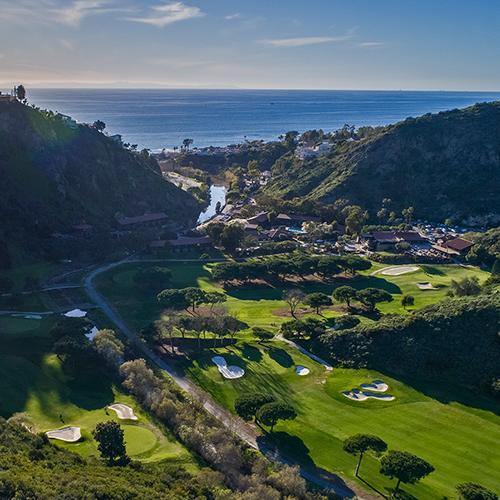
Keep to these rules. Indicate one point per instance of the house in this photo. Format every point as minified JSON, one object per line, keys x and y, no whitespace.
{"x":146,"y":220}
{"x":70,"y":122}
{"x":7,"y":98}
{"x":283,"y":219}
{"x":251,"y":229}
{"x":260,"y":219}
{"x":117,"y":138}
{"x":455,"y":246}
{"x":386,"y":240}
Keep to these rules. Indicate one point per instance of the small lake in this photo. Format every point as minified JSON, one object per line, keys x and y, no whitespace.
{"x":217,"y":194}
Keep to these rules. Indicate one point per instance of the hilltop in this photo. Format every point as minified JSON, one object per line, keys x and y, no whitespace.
{"x":445,"y":165}
{"x":56,"y":174}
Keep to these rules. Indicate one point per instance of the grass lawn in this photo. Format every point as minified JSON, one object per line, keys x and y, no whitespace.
{"x":432,"y":422}
{"x":33,"y":381}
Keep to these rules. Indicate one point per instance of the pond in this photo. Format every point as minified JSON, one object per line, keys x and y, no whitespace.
{"x":217,"y":194}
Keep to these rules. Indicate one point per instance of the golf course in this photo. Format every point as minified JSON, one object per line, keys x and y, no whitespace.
{"x":449,"y":426}
{"x":35,"y":385}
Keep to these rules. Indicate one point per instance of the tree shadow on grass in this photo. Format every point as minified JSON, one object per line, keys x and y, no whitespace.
{"x":251,"y":352}
{"x":446,"y":392}
{"x":361,"y":282}
{"x":280,"y":356}
{"x":433,"y":271}
{"x":285,"y":448}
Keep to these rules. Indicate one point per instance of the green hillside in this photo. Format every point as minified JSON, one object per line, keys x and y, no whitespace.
{"x":445,"y":165}
{"x":55,"y":175}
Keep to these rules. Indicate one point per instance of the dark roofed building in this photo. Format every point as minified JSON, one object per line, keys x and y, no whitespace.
{"x":381,"y":240}
{"x":260,"y":219}
{"x":455,"y":246}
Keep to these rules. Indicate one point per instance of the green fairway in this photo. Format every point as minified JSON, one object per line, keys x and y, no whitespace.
{"x":451,"y":428}
{"x":33,"y":381}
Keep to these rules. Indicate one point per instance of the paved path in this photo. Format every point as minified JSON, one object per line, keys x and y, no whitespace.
{"x":236,"y":425}
{"x":319,"y":360}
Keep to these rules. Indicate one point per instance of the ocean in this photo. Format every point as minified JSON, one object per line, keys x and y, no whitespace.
{"x":157,"y":119}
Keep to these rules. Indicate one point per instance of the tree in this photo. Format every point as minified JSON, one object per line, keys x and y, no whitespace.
{"x":372,"y":296}
{"x":20,"y":92}
{"x":111,"y":441}
{"x":405,"y":467}
{"x":318,"y":300}
{"x":173,"y":299}
{"x":359,"y":444}
{"x":309,"y":328}
{"x":271,"y":413}
{"x":407,"y":300}
{"x":262,"y":334}
{"x":186,"y":143}
{"x":109,"y":347}
{"x":99,"y":125}
{"x":466,"y":286}
{"x":291,"y":138}
{"x":474,"y":491}
{"x":407,"y":214}
{"x":247,"y":405}
{"x":214,"y":298}
{"x":232,"y":236}
{"x":293,"y":298}
{"x":355,"y":218}
{"x":194,"y":296}
{"x":345,"y":294}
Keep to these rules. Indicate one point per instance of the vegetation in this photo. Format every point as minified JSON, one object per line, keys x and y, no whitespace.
{"x":405,"y":467}
{"x":111,"y":441}
{"x":414,"y":166}
{"x":91,"y":178}
{"x":436,"y":341}
{"x":473,"y":491}
{"x":359,"y":444}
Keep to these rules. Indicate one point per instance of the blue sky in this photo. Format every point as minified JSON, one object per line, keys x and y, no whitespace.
{"x":330,"y":44}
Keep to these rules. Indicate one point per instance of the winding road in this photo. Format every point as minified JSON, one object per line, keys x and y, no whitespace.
{"x":242,"y":429}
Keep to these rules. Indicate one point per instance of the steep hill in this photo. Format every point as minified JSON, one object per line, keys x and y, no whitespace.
{"x":444,"y":165}
{"x":54,"y":175}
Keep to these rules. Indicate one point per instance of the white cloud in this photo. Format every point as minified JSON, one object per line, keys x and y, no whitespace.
{"x":303,"y":41}
{"x":371,"y":44}
{"x":230,"y":17}
{"x":74,"y":13}
{"x":168,"y":14}
{"x":59,"y":11}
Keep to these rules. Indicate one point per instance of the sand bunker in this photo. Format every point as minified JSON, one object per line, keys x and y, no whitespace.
{"x":371,"y":390}
{"x":76,"y":313}
{"x":375,"y":385}
{"x":91,"y":333}
{"x":67,"y":434}
{"x":123,"y":412}
{"x":357,"y":395}
{"x":398,"y":270}
{"x":302,"y":370}
{"x":227,"y":371}
{"x":426,"y":286}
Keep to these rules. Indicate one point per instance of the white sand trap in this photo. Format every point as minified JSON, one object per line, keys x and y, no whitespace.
{"x":67,"y":434}
{"x":302,"y":370}
{"x":398,"y":270}
{"x":376,"y":386}
{"x":357,"y":395}
{"x":92,"y":333}
{"x":76,"y":313}
{"x":123,"y":412}
{"x":227,"y":371}
{"x":32,"y":316}
{"x":426,"y":286}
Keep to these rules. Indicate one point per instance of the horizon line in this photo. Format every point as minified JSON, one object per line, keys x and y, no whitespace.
{"x":236,"y":89}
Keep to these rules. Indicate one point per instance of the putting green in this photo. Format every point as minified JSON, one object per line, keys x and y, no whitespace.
{"x":138,"y":440}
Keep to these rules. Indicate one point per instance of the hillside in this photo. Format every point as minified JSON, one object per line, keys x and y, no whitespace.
{"x":55,"y":175}
{"x":445,"y":165}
